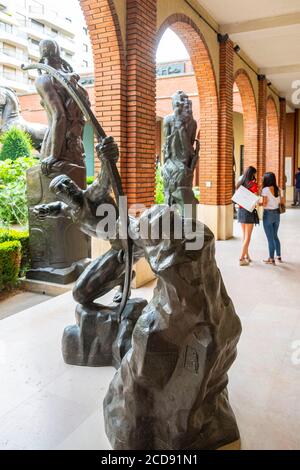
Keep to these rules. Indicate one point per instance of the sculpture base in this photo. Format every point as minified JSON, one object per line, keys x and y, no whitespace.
{"x":59,"y":276}
{"x":235,"y":445}
{"x":98,"y":339}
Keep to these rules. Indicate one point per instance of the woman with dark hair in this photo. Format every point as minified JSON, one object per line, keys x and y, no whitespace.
{"x":271,"y":203}
{"x":245,"y":218}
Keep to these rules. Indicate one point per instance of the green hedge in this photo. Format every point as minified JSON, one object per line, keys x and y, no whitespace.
{"x":10,"y":261}
{"x":7,"y":235}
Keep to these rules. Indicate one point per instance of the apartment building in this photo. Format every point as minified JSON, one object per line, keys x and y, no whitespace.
{"x":24,"y":23}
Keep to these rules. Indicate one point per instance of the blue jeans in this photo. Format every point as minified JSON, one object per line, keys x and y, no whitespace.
{"x":271,"y":225}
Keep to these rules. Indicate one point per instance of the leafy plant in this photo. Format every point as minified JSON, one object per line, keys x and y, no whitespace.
{"x":7,"y":235}
{"x":15,"y":144}
{"x":13,"y":203}
{"x":10,"y":259}
{"x":90,"y":180}
{"x":159,"y":186}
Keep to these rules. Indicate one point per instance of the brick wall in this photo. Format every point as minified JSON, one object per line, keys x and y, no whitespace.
{"x":225,"y":163}
{"x":282,"y":142}
{"x":141,"y":80}
{"x":272,"y":143}
{"x":262,"y":127}
{"x":249,"y":116}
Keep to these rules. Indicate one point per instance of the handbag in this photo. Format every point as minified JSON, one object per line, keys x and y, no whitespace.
{"x":256,"y":217}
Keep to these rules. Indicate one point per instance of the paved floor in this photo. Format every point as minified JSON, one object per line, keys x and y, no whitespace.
{"x":19,"y":302}
{"x":46,"y":404}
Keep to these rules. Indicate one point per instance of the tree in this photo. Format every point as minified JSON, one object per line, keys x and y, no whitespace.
{"x":15,"y":143}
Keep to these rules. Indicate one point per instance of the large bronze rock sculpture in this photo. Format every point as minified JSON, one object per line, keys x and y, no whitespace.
{"x":170,"y":391}
{"x":10,"y":116}
{"x":181,"y":154}
{"x":59,"y":251}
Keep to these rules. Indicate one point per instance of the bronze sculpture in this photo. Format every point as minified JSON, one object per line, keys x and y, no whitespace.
{"x":170,"y":389}
{"x":59,"y":251}
{"x":10,"y":116}
{"x":181,"y":153}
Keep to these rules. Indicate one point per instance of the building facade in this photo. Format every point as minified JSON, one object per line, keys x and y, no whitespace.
{"x":24,"y":23}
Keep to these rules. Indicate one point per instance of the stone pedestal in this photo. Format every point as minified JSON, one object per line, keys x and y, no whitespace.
{"x":59,"y":250}
{"x":98,"y":339}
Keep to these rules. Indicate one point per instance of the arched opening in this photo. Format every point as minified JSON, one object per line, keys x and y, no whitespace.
{"x":109,"y":71}
{"x":272,"y":147}
{"x":206,"y":109}
{"x":244,"y":124}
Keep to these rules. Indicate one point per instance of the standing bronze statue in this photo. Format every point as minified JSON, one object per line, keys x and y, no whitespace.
{"x":10,"y":116}
{"x":181,"y":153}
{"x":59,"y":251}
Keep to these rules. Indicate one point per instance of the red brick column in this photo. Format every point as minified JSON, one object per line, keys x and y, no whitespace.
{"x":282,"y":142}
{"x":225,"y":163}
{"x":141,"y":87}
{"x":261,"y":127}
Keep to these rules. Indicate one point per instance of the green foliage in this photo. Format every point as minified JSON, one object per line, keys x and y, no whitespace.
{"x":90,"y":180}
{"x":13,"y":204}
{"x":196,"y":190}
{"x":23,"y":238}
{"x":159,"y":186}
{"x":10,"y":259}
{"x":15,"y":144}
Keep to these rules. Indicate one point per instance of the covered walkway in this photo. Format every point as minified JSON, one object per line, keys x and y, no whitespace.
{"x":46,"y":404}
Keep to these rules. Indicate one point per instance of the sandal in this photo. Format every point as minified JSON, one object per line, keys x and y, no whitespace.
{"x":269,"y":261}
{"x":244,"y":262}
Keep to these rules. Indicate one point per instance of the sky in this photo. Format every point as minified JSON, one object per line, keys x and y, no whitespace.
{"x":171,"y":48}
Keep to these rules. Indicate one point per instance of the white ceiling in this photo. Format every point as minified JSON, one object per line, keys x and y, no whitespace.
{"x":268,"y":31}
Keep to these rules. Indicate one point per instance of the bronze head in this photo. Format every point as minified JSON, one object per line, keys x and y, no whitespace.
{"x":67,"y":191}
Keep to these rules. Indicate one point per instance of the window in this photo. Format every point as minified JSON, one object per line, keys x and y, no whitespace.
{"x":68,"y":19}
{"x":34,"y":42}
{"x":85,"y":63}
{"x":21,"y":19}
{"x":10,"y":50}
{"x":85,"y":30}
{"x":85,"y":47}
{"x":37,"y":25}
{"x":9,"y":73}
{"x":6,"y":27}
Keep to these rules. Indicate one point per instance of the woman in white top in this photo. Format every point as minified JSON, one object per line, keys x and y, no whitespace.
{"x":271,"y":220}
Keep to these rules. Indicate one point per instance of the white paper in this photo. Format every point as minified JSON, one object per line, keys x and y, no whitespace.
{"x":245,"y":198}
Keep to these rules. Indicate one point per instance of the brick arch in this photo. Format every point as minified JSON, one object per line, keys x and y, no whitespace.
{"x":195,"y":44}
{"x":272,"y":147}
{"x":109,"y":69}
{"x":244,"y":84}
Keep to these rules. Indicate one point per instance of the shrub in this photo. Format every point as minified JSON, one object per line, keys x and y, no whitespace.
{"x":13,"y":201}
{"x":15,"y":144}
{"x":159,"y":186}
{"x":10,"y":259}
{"x":23,"y":238}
